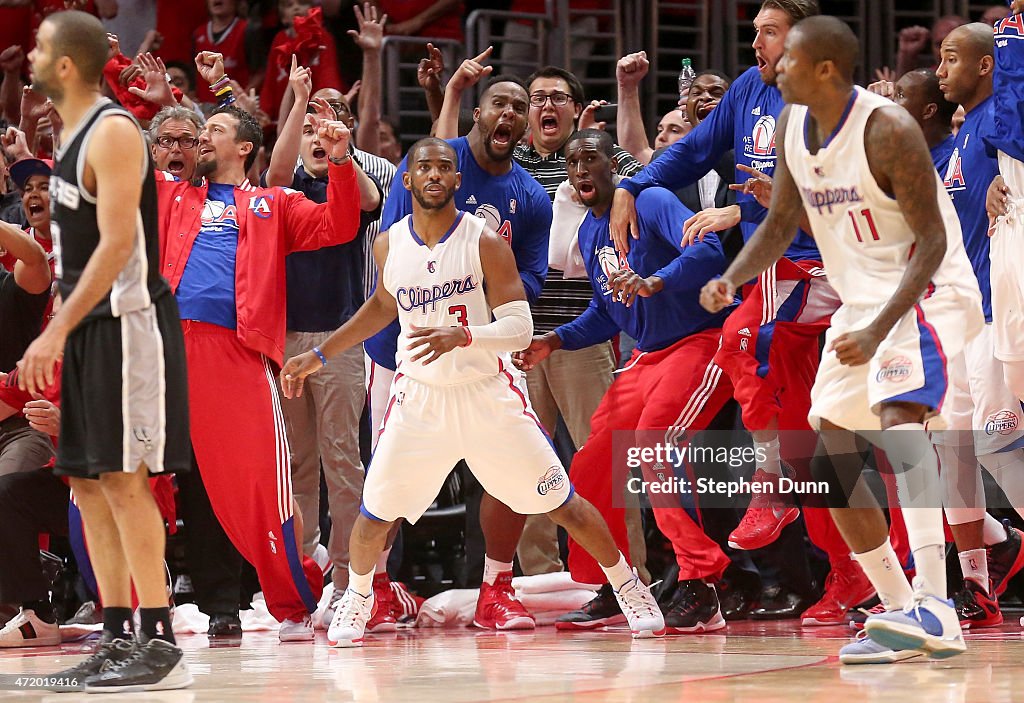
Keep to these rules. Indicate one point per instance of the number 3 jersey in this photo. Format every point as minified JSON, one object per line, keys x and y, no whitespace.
{"x":864,"y":239}
{"x":440,"y":287}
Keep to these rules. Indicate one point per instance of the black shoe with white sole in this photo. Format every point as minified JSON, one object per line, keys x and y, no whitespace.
{"x":154,"y":666}
{"x":108,"y":656}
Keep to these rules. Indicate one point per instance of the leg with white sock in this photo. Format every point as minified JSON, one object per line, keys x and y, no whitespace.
{"x":368,"y":540}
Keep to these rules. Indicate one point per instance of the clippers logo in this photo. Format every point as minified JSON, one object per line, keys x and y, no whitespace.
{"x":431,"y":266}
{"x":764,"y":136}
{"x":218,"y":217}
{"x":954,"y":179}
{"x":610,"y":261}
{"x":1010,"y":28}
{"x":551,"y":481}
{"x":492,"y":216}
{"x":1003,"y":422}
{"x":260,"y":206}
{"x":895,"y":370}
{"x":831,"y":197}
{"x":422,"y":298}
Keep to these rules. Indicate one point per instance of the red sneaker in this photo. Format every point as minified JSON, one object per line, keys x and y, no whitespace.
{"x":1005,"y":559}
{"x":766,"y":515}
{"x":498,"y":609}
{"x":846,"y":587}
{"x":977,"y":608}
{"x":383,"y":618}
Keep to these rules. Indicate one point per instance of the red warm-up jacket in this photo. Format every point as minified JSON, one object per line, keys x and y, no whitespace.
{"x":272,"y":222}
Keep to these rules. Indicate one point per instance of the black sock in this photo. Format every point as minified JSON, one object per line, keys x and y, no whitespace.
{"x":117,"y":624}
{"x":43,"y":610}
{"x":156,"y":624}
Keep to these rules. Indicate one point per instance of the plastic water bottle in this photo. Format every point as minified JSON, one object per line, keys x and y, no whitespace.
{"x":686,"y":77}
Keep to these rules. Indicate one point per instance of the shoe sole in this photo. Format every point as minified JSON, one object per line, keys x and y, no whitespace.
{"x":24,"y":644}
{"x":178,"y":677}
{"x":592,"y":624}
{"x":897,"y":636}
{"x":297,"y":638}
{"x":890,"y":658}
{"x":978,"y":625}
{"x":715,"y":623}
{"x":817,"y":622}
{"x":1018,"y":564}
{"x":346,"y":644}
{"x":647,"y":634}
{"x":383,"y":628}
{"x":519,"y":623}
{"x":791,"y":515}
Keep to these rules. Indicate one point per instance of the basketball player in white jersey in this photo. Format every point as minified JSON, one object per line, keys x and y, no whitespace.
{"x":891,"y":244}
{"x":454,"y":396}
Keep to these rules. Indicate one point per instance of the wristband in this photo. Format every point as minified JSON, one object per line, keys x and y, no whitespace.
{"x":341,"y":161}
{"x":220,"y":82}
{"x":323,"y":359}
{"x":469,"y":337}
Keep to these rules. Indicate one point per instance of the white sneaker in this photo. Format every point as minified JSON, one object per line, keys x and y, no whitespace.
{"x":332,"y":606}
{"x":297,"y":630}
{"x":323,"y":559}
{"x":864,"y":650}
{"x":349,"y":622}
{"x":928,"y":623}
{"x":26,"y":630}
{"x":641,"y":609}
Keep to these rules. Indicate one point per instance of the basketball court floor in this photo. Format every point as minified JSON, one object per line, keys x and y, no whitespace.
{"x":763,"y":662}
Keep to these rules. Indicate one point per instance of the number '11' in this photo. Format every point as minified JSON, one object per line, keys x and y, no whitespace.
{"x":866,"y":214}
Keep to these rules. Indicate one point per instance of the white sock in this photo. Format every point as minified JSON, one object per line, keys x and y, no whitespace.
{"x":916,"y":469}
{"x":382,"y":562}
{"x":618,"y":575}
{"x":493,"y":569}
{"x":770,"y":452}
{"x":994,"y":532}
{"x":361,"y":584}
{"x":882,"y":567}
{"x":974,"y":564}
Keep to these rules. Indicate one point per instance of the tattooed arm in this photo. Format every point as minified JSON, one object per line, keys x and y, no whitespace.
{"x":772,"y":238}
{"x":902,"y":166}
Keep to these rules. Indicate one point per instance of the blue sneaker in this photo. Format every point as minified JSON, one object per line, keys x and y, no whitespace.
{"x":864,"y":650}
{"x":928,"y":623}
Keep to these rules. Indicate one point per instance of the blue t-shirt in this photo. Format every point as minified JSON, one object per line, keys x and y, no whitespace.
{"x":1005,"y":132}
{"x":513,"y":204}
{"x":206,"y":291}
{"x":674,"y":312}
{"x":325,"y":286}
{"x":967,"y":178}
{"x":941,"y":153}
{"x":744,"y":121}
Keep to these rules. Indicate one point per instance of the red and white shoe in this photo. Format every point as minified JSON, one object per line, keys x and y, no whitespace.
{"x":383,"y":619}
{"x":349,"y":623}
{"x":766,"y":516}
{"x":845,"y":587}
{"x":498,"y":609}
{"x":976,"y":607}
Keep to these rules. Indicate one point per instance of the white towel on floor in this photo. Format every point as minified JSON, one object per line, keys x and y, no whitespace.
{"x":448,"y":609}
{"x":549,"y":583}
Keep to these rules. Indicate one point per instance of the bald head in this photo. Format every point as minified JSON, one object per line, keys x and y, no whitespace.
{"x":973,"y":40}
{"x":825,"y":38}
{"x":82,"y":38}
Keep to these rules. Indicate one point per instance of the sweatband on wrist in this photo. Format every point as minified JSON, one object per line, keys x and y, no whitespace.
{"x":323,"y":359}
{"x":511,"y":331}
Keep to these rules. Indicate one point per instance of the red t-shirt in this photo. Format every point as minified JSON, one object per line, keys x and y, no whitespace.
{"x":448,"y":26}
{"x":232,"y":45}
{"x":176,"y":20}
{"x":323,"y":63}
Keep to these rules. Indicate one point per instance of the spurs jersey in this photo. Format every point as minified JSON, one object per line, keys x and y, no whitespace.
{"x":865,"y":241}
{"x":440,"y":287}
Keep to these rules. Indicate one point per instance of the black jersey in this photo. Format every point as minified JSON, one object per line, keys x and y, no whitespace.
{"x":76,"y":232}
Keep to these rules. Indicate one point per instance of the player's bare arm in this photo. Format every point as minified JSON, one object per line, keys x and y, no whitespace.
{"x":374,"y":315}
{"x":770,"y":241}
{"x":115,"y":177}
{"x":902,"y":167}
{"x":503,"y":286}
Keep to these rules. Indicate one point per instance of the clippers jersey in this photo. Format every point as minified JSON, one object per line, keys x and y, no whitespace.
{"x":76,"y":233}
{"x":865,"y":241}
{"x":1005,"y":132}
{"x":440,"y":287}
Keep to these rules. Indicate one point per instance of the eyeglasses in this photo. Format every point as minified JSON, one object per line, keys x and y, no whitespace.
{"x":185,"y":141}
{"x":557,"y":99}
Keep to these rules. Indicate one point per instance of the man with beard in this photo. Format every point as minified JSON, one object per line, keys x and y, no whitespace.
{"x":769,"y":345}
{"x":513,"y":204}
{"x":223,"y":244}
{"x":446,"y":276}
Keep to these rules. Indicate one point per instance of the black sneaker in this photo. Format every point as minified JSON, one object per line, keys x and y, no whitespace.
{"x":90,"y":613}
{"x":694,"y":608}
{"x":1005,"y":559}
{"x":225,"y":625}
{"x":602,"y":610}
{"x":108,"y":656}
{"x":154,"y":666}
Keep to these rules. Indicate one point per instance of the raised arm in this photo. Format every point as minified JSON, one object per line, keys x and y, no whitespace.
{"x":373,"y":316}
{"x":428,"y":75}
{"x":289,"y":137}
{"x":770,"y":241}
{"x":32,"y":270}
{"x":629,"y":127}
{"x":369,"y":38}
{"x":115,"y":176}
{"x":471,"y":72}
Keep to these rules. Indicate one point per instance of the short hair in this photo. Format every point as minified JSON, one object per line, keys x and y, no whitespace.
{"x":504,"y":78}
{"x":433,"y":141}
{"x":189,"y":71}
{"x":575,"y":87}
{"x":249,"y":130}
{"x":173,"y":112}
{"x":82,"y":38}
{"x":933,"y":94}
{"x":603,"y":139}
{"x":979,"y":37}
{"x":828,"y":38}
{"x":797,"y":10}
{"x":716,"y":73}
